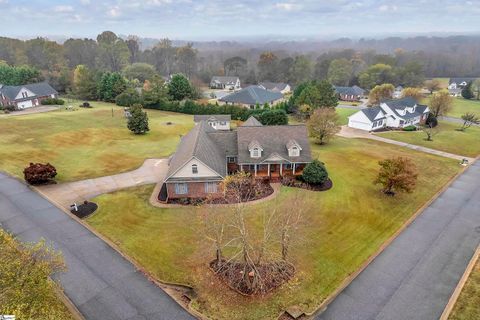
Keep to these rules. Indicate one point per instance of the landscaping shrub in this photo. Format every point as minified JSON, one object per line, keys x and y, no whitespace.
{"x":127,"y":98}
{"x":53,"y":102}
{"x":432,"y":121}
{"x":86,"y":105}
{"x":273,"y":117}
{"x":138,"y":122}
{"x":410,"y":128}
{"x":38,"y":173}
{"x":8,"y":108}
{"x":315,"y":173}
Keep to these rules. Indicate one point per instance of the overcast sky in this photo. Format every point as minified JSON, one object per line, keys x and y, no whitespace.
{"x":225,"y":19}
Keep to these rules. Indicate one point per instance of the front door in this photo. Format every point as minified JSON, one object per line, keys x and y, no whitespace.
{"x":273,"y":169}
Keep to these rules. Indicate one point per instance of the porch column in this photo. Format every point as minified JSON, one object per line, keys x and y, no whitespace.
{"x":294,"y":168}
{"x":269,"y":169}
{"x":241,"y":167}
{"x":255,"y":169}
{"x":281,"y":168}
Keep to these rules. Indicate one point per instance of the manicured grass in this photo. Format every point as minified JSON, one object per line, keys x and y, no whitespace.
{"x":344,"y":113}
{"x":343,"y":228}
{"x":443,"y":82}
{"x":462,"y":106}
{"x":86,"y":143}
{"x":467,"y":306}
{"x":466,"y":143}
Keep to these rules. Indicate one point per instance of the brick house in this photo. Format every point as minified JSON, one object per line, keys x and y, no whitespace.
{"x":205,"y":156}
{"x":354,"y":93}
{"x":26,"y":96}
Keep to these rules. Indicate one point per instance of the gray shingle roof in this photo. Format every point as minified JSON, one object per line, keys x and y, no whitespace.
{"x":252,"y":95}
{"x":252,"y":122}
{"x":273,"y":139}
{"x":273,"y":86}
{"x":214,"y":117}
{"x":460,"y":80}
{"x":359,"y":90}
{"x":40,"y":89}
{"x":346,"y":90}
{"x":403,"y":103}
{"x":372,"y":113}
{"x":224,"y":80}
{"x":197,"y":143}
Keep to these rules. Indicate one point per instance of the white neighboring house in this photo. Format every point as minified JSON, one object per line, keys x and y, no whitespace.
{"x":455,"y":92}
{"x":281,"y":87}
{"x":459,"y":83}
{"x":216,"y":121}
{"x":398,"y":113}
{"x":397,"y":94}
{"x":222,"y":82}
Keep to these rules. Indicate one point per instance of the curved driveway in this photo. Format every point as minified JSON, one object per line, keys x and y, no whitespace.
{"x":99,"y":281}
{"x":414,"y":277}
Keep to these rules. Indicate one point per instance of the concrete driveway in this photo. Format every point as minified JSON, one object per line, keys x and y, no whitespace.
{"x":33,"y":110}
{"x":99,"y":281}
{"x":65,"y":194}
{"x":414,"y":277}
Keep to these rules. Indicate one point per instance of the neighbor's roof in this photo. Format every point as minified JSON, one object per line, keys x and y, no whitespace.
{"x":273,"y":86}
{"x":40,"y":89}
{"x":371,"y":113}
{"x":224,"y":79}
{"x":274,"y":141}
{"x":199,"y":144}
{"x":460,"y":80}
{"x":359,"y":90}
{"x":252,"y":122}
{"x":212,"y":117}
{"x":252,"y":95}
{"x":351,"y":91}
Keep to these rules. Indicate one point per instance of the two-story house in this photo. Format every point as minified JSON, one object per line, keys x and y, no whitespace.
{"x":223,"y":82}
{"x":205,"y":156}
{"x":26,"y":96}
{"x":398,"y":113}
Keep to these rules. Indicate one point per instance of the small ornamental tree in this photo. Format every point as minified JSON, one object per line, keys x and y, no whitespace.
{"x":38,"y":173}
{"x":397,"y":174}
{"x":323,"y":125}
{"x":430,"y":131}
{"x":469,"y":119}
{"x":138,"y":122}
{"x":440,"y":103}
{"x":432,"y":85}
{"x":315,"y":173}
{"x":414,"y":93}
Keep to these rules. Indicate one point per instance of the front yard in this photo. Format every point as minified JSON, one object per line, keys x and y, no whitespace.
{"x":467,"y":306}
{"x":344,"y":227}
{"x":466,"y":143}
{"x":462,"y":106}
{"x":86,"y":143}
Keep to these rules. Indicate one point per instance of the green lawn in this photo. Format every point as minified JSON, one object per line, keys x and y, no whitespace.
{"x":344,"y":114}
{"x":466,"y":143}
{"x":467,"y":306}
{"x":443,"y":82}
{"x":462,"y":106}
{"x":344,"y":227}
{"x":86,"y":143}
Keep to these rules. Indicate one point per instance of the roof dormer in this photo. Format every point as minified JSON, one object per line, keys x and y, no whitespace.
{"x":255,"y":149}
{"x":293,"y":148}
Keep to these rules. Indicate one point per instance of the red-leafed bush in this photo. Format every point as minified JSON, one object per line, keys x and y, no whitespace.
{"x":39,"y":173}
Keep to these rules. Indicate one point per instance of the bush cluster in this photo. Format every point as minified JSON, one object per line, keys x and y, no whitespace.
{"x":410,"y":128}
{"x":8,"y":108}
{"x":38,"y":173}
{"x":53,"y":101}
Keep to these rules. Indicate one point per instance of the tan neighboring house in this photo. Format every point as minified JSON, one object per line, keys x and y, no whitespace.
{"x":283,"y":88}
{"x":205,"y":156}
{"x":216,"y":121}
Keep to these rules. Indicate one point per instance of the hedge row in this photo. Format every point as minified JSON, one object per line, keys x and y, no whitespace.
{"x":53,"y":101}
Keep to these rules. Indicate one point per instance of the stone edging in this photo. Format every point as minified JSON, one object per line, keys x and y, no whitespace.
{"x":458,"y":289}
{"x":323,"y":305}
{"x":159,"y":283}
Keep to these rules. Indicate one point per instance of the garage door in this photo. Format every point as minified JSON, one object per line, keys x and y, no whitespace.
{"x":25,"y":104}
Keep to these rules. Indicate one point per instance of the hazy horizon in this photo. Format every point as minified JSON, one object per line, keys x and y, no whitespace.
{"x":242,"y":20}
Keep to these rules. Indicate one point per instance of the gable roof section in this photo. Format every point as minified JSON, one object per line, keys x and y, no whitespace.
{"x":197,"y":143}
{"x":371,"y":113}
{"x":214,"y":117}
{"x":40,"y":89}
{"x":274,"y":140}
{"x":224,"y":79}
{"x":359,"y":90}
{"x":407,"y":102}
{"x":252,"y":95}
{"x":252,"y":122}
{"x":460,"y":80}
{"x":273,"y":86}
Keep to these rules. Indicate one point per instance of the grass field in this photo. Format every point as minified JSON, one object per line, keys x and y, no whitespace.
{"x":466,"y":143}
{"x":86,"y":143}
{"x":462,"y":106}
{"x":344,"y":114}
{"x":344,"y":227}
{"x":467,"y":306}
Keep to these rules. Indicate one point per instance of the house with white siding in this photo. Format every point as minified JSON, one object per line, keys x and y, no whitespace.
{"x":26,"y":96}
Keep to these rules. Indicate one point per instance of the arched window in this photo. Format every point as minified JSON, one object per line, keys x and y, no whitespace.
{"x":194,"y":169}
{"x":255,"y":153}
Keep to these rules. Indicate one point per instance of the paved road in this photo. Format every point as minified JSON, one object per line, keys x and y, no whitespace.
{"x":65,"y":194}
{"x":348,"y":132}
{"x":456,"y":120}
{"x":100,"y":282}
{"x":415,"y":276}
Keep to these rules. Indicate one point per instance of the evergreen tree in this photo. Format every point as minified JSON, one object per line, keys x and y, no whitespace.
{"x":467,"y":91}
{"x":179,"y":87}
{"x":138,"y":121}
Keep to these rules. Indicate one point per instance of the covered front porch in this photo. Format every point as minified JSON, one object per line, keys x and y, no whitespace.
{"x":273,"y":170}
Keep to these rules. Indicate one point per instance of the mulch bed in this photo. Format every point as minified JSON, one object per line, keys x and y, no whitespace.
{"x":85,"y":209}
{"x":272,"y":274}
{"x":295,"y":183}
